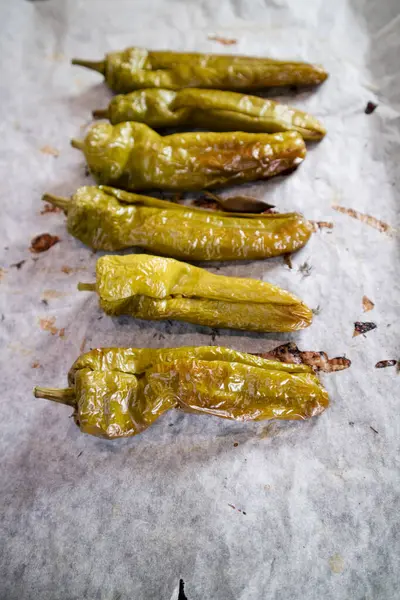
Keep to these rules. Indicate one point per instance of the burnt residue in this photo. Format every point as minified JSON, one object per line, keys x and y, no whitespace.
{"x":238,"y":509}
{"x":370,"y":107}
{"x":382,"y":364}
{"x":319,"y":361}
{"x":49,"y":208}
{"x":287,"y":259}
{"x":42,"y":242}
{"x":181,"y":594}
{"x":363,"y":327}
{"x":305,"y":269}
{"x":18,"y":265}
{"x":214,"y":333}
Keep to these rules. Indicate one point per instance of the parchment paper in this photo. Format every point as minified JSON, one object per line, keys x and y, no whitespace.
{"x":237,"y":511}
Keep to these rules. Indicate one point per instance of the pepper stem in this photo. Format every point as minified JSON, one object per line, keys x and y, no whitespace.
{"x":58,"y":201}
{"x":86,"y":287}
{"x":77,"y":144}
{"x":100,"y":113}
{"x":94,"y":65}
{"x":63,"y":395}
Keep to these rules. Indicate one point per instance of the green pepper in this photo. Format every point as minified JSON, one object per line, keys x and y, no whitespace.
{"x":119,"y":392}
{"x":136,"y":68}
{"x":134,"y":157}
{"x":109,"y":219}
{"x":151,"y":287}
{"x":210,"y":109}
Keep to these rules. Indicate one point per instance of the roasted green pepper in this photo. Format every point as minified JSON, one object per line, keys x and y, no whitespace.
{"x":210,"y":109}
{"x":134,"y":157}
{"x":110,"y":219}
{"x":151,"y":287}
{"x":136,"y":68}
{"x":119,"y":392}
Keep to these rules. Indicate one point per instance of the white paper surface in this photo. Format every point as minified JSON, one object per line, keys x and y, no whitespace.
{"x":87,"y":518}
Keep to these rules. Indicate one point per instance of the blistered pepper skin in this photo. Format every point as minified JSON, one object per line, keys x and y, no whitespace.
{"x":152,"y":287}
{"x":132,"y":156}
{"x":210,"y":109}
{"x":105,"y":218}
{"x":138,"y":68}
{"x":119,"y":392}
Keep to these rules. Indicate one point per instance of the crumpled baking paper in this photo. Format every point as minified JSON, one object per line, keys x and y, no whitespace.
{"x":237,"y":511}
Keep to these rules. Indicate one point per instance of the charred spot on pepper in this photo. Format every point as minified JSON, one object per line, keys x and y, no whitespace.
{"x":319,"y":361}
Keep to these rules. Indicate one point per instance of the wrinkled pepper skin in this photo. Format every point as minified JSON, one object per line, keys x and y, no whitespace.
{"x":137,"y":68}
{"x":119,"y":392}
{"x":210,"y":109}
{"x":151,"y":287}
{"x":132,"y":156}
{"x":109,"y":219}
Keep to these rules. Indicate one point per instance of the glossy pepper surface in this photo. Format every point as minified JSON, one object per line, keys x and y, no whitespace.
{"x":119,"y":392}
{"x":152,"y":287}
{"x":109,"y":219}
{"x":136,"y":68}
{"x":132,"y":156}
{"x":210,"y":109}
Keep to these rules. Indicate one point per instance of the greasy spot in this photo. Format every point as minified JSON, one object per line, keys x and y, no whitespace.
{"x":368,"y":219}
{"x":336,"y":563}
{"x":50,"y":150}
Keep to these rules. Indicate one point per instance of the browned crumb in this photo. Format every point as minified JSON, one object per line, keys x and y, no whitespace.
{"x":287,"y":259}
{"x":371,"y":221}
{"x":61,"y":332}
{"x":382,"y":364}
{"x":321,"y":225}
{"x":66,"y":269}
{"x":50,"y":150}
{"x":18,"y":265}
{"x":362,"y":327}
{"x":235,"y":445}
{"x":49,"y":325}
{"x":42,"y":242}
{"x":222,"y":40}
{"x":2,"y":273}
{"x":319,"y":361}
{"x":35,"y":364}
{"x":367,"y":304}
{"x":49,"y":208}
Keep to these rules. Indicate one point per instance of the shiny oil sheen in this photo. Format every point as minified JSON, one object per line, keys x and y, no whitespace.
{"x":136,"y":68}
{"x":132,"y":156}
{"x":152,"y":287}
{"x":119,"y":392}
{"x":211,"y":109}
{"x":105,"y":218}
